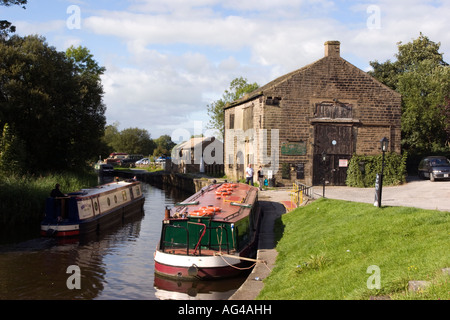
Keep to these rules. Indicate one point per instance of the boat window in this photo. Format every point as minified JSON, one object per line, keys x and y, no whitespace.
{"x":108,"y":201}
{"x":96,"y":206}
{"x":138,"y":191}
{"x":115,"y":199}
{"x":124,"y":195}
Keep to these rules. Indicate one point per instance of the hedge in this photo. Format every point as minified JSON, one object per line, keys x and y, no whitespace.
{"x":362,"y":170}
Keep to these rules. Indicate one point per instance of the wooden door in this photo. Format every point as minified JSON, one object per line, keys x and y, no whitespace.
{"x":337,"y":142}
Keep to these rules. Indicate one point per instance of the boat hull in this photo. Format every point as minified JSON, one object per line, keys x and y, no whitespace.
{"x":97,"y":224}
{"x":185,"y":267}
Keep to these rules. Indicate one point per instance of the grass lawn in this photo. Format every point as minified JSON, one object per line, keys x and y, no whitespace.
{"x":332,"y":249}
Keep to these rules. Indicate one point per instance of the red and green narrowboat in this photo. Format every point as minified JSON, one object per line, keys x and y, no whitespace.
{"x":212,"y":234}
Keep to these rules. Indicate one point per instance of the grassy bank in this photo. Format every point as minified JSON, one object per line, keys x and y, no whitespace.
{"x":326,"y":248}
{"x":22,"y":198}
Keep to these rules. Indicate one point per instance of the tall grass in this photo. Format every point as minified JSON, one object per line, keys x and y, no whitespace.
{"x":326,"y":248}
{"x":22,"y":198}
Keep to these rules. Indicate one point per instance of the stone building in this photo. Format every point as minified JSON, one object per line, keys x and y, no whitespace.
{"x":328,"y":108}
{"x":198,"y":155}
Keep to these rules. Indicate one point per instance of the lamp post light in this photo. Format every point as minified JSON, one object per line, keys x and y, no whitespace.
{"x":324,"y":160}
{"x":384,"y":143}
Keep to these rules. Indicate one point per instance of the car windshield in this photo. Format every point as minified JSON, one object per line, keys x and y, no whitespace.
{"x":438,"y":162}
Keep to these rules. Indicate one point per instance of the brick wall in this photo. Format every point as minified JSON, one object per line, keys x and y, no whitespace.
{"x":288,"y":103}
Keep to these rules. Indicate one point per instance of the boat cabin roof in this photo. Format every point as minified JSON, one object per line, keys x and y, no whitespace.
{"x":105,"y":188}
{"x":233,"y":205}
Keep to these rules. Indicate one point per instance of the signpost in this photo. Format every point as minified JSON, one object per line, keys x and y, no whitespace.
{"x":379,"y":181}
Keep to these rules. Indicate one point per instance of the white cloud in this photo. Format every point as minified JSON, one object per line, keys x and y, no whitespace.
{"x":25,"y":27}
{"x":259,"y":40}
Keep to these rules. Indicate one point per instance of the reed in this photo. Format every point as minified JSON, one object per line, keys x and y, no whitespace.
{"x":22,"y":198}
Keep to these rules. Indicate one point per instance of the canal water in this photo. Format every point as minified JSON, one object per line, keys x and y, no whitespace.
{"x":115,"y":265}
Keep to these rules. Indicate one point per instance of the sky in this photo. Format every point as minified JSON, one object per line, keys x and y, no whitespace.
{"x":167,"y":60}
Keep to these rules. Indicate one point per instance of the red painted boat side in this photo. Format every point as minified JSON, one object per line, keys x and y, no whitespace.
{"x":202,"y":273}
{"x":62,"y":233}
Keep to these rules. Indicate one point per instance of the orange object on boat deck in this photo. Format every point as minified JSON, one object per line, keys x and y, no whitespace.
{"x":205,"y":211}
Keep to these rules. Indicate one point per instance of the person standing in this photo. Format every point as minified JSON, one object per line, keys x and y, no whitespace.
{"x":260,"y":178}
{"x":249,"y":175}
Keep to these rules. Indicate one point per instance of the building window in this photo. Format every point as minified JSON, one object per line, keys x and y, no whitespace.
{"x":231,"y":126}
{"x":248,"y":118}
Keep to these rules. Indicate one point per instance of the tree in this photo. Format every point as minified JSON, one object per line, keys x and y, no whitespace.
{"x":110,"y":137}
{"x":135,"y":141}
{"x":446,"y":114}
{"x":84,"y":62}
{"x":54,"y":108}
{"x":12,"y":152}
{"x":238,"y":88}
{"x":6,"y":27}
{"x":89,"y":112}
{"x":424,"y":90}
{"x":131,"y":140}
{"x":164,"y":145}
{"x":408,"y":57}
{"x":422,"y":77}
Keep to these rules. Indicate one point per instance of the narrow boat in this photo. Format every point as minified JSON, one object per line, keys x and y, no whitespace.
{"x":211,"y":235}
{"x":90,"y":210}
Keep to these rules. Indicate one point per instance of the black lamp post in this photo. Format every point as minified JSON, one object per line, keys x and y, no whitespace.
{"x":384,"y":148}
{"x":324,"y":160}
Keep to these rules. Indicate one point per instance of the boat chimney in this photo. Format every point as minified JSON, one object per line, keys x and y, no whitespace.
{"x":167,"y":214}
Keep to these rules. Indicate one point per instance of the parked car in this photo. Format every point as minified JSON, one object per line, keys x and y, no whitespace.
{"x":130,"y":160}
{"x":143,"y":161}
{"x":434,"y":167}
{"x":162,"y":159}
{"x":115,"y":158}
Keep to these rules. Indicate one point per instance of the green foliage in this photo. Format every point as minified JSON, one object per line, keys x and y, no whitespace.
{"x":422,"y":77}
{"x":54,"y":106}
{"x":6,"y":27}
{"x":325,"y":249}
{"x":425,"y":89}
{"x":22,"y":197}
{"x":14,"y":2}
{"x":84,"y":62}
{"x":164,"y":145}
{"x":362,"y":170}
{"x":12,"y":152}
{"x":136,"y":141}
{"x":238,"y":88}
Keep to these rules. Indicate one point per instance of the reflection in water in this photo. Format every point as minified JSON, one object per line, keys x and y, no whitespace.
{"x":169,"y":289}
{"x":117,"y":264}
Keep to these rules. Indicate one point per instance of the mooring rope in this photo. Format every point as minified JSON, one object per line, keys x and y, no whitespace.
{"x":223,"y":255}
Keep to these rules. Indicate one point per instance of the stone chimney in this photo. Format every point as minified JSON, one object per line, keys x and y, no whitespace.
{"x":332,"y":49}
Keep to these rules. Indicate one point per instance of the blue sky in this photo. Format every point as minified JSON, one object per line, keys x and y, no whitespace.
{"x":166,"y":60}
